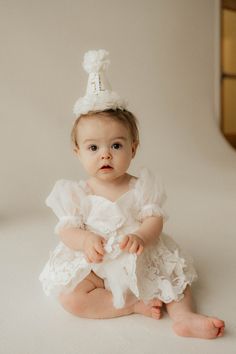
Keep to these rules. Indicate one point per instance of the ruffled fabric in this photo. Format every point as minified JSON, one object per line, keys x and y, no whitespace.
{"x":150,"y":196}
{"x":105,"y":100}
{"x":64,"y":270}
{"x":162,"y":271}
{"x":99,"y":220}
{"x":66,"y":201}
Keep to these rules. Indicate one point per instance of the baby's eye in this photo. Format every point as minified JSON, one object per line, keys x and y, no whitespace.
{"x":116,"y":146}
{"x":93,"y":147}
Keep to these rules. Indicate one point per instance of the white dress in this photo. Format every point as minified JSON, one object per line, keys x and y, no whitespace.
{"x":161,"y":271}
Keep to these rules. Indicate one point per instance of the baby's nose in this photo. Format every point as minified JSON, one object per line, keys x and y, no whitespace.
{"x":106,"y":154}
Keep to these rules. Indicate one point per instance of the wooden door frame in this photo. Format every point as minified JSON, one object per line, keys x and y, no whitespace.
{"x":225,"y":5}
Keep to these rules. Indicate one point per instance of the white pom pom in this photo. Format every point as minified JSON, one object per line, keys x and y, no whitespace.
{"x":95,"y":61}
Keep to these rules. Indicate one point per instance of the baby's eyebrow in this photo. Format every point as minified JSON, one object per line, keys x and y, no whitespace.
{"x":115,"y":138}
{"x":119,"y":138}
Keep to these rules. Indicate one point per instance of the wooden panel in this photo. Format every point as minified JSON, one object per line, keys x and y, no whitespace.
{"x":229,"y":106}
{"x":229,"y":4}
{"x":229,"y":42}
{"x":228,"y":70}
{"x":231,"y":139}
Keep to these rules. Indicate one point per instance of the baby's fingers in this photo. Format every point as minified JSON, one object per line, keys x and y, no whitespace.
{"x":140,"y":250}
{"x":134,"y":247}
{"x":124,"y":242}
{"x":95,"y":257}
{"x":99,"y":248}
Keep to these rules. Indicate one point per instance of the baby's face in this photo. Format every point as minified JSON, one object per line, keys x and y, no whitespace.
{"x":105,"y":147}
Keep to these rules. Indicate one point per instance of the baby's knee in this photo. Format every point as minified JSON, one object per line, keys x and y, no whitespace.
{"x":73,"y":303}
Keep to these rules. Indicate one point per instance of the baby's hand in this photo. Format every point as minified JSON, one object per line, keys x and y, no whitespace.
{"x":94,"y":248}
{"x":132,"y":243}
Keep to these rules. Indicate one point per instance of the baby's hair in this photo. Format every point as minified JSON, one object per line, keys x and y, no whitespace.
{"x":125,"y":117}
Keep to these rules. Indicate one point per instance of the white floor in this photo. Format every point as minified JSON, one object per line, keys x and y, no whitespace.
{"x":31,"y":323}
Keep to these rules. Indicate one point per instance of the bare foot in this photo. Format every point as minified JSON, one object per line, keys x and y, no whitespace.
{"x":152,"y":309}
{"x":199,"y":326}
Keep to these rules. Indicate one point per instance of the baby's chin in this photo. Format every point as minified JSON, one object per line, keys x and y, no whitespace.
{"x":109,"y":174}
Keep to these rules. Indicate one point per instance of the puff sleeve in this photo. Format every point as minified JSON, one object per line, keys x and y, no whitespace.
{"x":65,"y":200}
{"x":150,"y":196}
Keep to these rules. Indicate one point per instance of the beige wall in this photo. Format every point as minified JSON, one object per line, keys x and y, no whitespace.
{"x":162,"y":54}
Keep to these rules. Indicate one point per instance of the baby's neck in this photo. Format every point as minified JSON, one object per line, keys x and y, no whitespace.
{"x":106,"y":184}
{"x":110,"y":189}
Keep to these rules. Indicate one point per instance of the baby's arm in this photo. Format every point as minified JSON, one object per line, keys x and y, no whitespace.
{"x":73,"y":237}
{"x":149,"y":230}
{"x":82,"y":240}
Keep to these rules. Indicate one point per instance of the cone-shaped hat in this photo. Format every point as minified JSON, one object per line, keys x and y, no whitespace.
{"x":99,"y":95}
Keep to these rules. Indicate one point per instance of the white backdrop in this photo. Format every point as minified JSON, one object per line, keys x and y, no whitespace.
{"x":163,"y":62}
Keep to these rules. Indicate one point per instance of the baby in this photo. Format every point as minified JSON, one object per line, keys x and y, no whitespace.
{"x":113,"y":258}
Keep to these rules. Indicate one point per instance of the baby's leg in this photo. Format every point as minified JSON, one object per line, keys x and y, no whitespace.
{"x":91,"y":300}
{"x":187,"y":323}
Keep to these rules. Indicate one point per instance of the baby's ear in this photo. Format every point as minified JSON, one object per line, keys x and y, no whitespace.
{"x":134,"y":148}
{"x":76,"y":151}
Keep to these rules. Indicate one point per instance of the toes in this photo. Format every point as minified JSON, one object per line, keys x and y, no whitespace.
{"x":148,"y":309}
{"x":156,"y":312}
{"x":220,"y":332}
{"x":214,"y":327}
{"x":220,"y":325}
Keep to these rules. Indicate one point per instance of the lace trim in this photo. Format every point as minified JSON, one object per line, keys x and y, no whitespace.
{"x":63,"y":271}
{"x":152,"y":210}
{"x":165,"y":274}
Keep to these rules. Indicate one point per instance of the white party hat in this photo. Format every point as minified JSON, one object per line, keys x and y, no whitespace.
{"x":99,"y":95}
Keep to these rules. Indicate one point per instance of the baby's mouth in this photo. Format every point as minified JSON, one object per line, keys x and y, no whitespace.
{"x":106,"y":167}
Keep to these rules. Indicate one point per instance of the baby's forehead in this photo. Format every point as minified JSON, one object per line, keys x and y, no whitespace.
{"x":101,"y":126}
